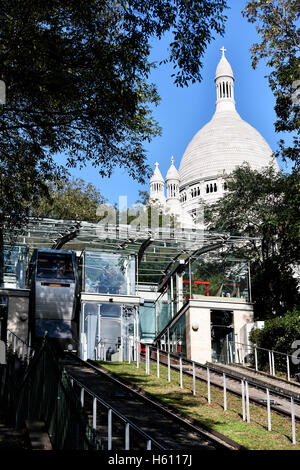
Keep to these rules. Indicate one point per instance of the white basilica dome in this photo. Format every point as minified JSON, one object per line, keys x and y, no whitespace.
{"x":226,"y":141}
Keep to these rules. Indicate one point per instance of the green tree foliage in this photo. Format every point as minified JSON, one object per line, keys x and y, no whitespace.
{"x":76,"y":83}
{"x":264,"y":206}
{"x":213,"y":272}
{"x":76,"y":73}
{"x":69,"y":200}
{"x":144,"y":197}
{"x":278,"y":334}
{"x":22,"y":183}
{"x":277,"y":23}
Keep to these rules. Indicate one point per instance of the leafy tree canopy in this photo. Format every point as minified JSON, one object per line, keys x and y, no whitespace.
{"x":69,"y":200}
{"x":76,"y":73}
{"x":278,"y":334}
{"x":265,"y":207}
{"x":262,"y":204}
{"x":277,"y":22}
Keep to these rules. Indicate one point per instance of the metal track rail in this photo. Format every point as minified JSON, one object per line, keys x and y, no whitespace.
{"x":112,"y":411}
{"x":165,"y":428}
{"x":281,"y":401}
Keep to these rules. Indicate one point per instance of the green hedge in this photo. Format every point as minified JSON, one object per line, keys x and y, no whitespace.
{"x":279,"y":334}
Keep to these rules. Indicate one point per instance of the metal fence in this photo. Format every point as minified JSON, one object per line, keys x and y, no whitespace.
{"x":75,"y":417}
{"x":115,"y":426}
{"x":19,"y":347}
{"x":172,"y":361}
{"x":265,"y":360}
{"x":41,"y":390}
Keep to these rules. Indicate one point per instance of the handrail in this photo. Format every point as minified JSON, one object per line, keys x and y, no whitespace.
{"x":252,"y":346}
{"x":116,"y":412}
{"x":242,"y":348}
{"x":30,"y":350}
{"x":229,"y":374}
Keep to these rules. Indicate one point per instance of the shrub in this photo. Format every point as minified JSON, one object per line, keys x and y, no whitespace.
{"x":278,"y":334}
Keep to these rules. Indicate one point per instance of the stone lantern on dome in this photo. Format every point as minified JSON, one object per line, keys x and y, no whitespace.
{"x":157,"y":186}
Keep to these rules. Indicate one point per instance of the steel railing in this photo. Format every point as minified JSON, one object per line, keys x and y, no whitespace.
{"x":249,"y":354}
{"x":18,"y":346}
{"x":110,"y":413}
{"x":178,"y":361}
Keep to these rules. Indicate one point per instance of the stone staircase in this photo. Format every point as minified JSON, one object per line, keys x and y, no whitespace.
{"x":11,"y":439}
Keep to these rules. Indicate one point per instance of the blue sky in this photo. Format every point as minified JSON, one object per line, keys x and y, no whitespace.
{"x":183,"y":111}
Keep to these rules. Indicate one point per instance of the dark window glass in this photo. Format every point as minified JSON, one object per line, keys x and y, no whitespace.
{"x":55,"y":266}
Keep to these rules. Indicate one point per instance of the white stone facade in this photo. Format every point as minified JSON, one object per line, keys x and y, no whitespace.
{"x":224,"y":143}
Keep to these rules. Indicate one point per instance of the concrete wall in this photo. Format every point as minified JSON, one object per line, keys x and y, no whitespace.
{"x":198,"y":326}
{"x":198,"y":334}
{"x":18,"y":311}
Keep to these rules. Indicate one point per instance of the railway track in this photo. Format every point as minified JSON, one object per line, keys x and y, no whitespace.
{"x":280,"y":390}
{"x":137,"y":419}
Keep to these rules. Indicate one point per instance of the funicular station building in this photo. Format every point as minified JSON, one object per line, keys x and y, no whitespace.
{"x":123,"y":285}
{"x":181,"y":289}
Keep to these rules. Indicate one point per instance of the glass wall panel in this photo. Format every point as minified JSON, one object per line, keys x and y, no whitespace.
{"x":186,"y":285}
{"x":175,"y":296}
{"x":222,"y":336}
{"x":89,"y":328}
{"x":164,"y":311}
{"x":110,"y":310}
{"x":129,"y":331}
{"x":109,"y":273}
{"x":219,"y":277}
{"x":107,"y":331}
{"x":177,"y":335}
{"x":147,"y":321}
{"x":14,"y":270}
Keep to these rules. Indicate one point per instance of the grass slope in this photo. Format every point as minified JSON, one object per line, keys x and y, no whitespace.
{"x":253,"y":436}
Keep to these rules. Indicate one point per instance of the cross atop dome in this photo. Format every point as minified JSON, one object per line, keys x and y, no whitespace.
{"x":224,"y":68}
{"x":172,"y":172}
{"x":157,"y":176}
{"x":223,"y":51}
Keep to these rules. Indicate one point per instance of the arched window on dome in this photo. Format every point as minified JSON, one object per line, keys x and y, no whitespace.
{"x":227,"y":91}
{"x":211,"y":188}
{"x":215,"y":187}
{"x":223,"y":90}
{"x":207,"y":188}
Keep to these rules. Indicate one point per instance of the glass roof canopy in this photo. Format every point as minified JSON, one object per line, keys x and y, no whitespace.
{"x":156,"y":249}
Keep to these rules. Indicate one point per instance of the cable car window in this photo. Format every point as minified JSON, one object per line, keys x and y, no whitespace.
{"x":55,"y":266}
